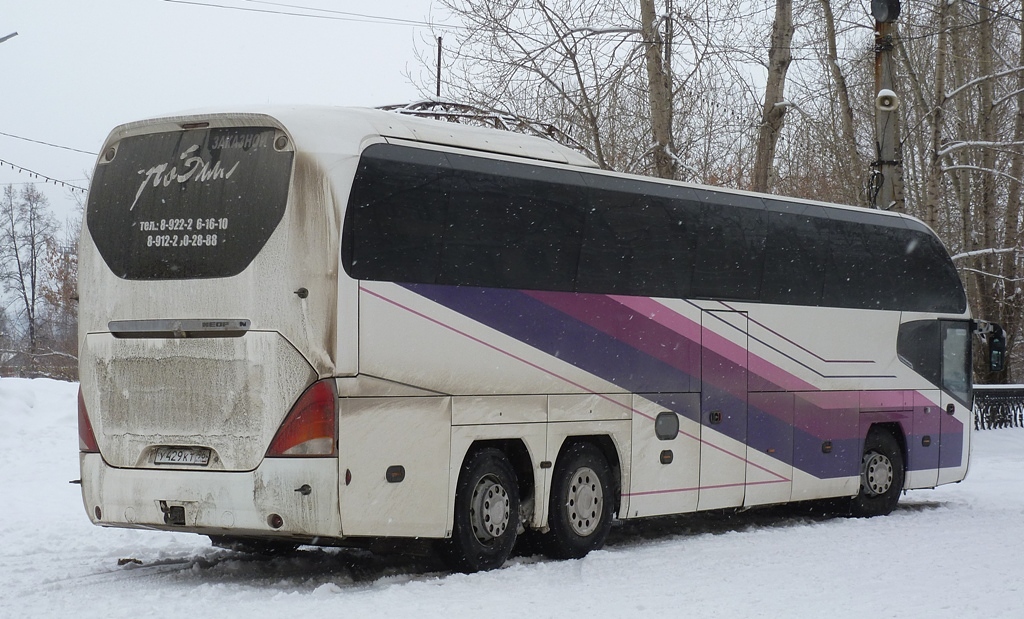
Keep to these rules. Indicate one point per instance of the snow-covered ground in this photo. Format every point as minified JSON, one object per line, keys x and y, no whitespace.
{"x":956,"y":551}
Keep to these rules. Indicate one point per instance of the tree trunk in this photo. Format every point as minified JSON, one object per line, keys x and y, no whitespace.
{"x":853,"y":163}
{"x":1011,"y":315}
{"x":659,"y":92}
{"x":933,"y":182}
{"x":773,"y":114}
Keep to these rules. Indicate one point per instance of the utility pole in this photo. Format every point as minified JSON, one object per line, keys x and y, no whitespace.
{"x":886,"y":185}
{"x":10,"y":36}
{"x":439,"y":68}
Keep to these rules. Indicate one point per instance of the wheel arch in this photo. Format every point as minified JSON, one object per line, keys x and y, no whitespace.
{"x":894,"y":429}
{"x":518,"y":455}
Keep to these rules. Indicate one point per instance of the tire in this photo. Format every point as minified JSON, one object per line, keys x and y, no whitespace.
{"x":582,"y":501}
{"x":882,"y":471}
{"x":486,"y":514}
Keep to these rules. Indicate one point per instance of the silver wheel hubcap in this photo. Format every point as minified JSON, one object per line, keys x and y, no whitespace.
{"x":585,"y":503}
{"x":489,"y":509}
{"x":875,"y":474}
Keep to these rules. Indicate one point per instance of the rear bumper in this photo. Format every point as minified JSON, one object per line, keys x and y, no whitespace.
{"x":218,"y":502}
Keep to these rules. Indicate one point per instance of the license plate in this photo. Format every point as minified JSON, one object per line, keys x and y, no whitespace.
{"x":188,"y":456}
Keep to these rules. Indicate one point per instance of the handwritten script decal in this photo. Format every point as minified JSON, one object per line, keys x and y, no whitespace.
{"x":194,"y":169}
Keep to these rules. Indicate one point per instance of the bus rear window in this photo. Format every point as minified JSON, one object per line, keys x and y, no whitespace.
{"x":188,"y":204}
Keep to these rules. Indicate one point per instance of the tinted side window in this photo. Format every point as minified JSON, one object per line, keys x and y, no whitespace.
{"x":888,"y":264}
{"x":730,"y":247}
{"x":930,"y":281}
{"x":398,"y":205}
{"x":917,"y":345}
{"x":427,"y":217}
{"x":866,"y":263}
{"x":511,"y":225}
{"x":796,"y":252}
{"x":639,"y":238}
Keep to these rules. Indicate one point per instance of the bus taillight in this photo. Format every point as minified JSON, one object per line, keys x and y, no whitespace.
{"x":310,"y":429}
{"x":86,"y":437}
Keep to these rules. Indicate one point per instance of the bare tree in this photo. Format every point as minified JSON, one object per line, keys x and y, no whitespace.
{"x":848,"y":156}
{"x":26,"y":229}
{"x":968,"y":152}
{"x":8,"y":348}
{"x":617,"y":73}
{"x":58,"y":317}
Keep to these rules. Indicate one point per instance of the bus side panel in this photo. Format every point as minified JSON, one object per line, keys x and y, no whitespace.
{"x":665,"y":472}
{"x":826,"y":444}
{"x":923,"y":459}
{"x":769,"y":448}
{"x":410,"y":339}
{"x":376,"y":437}
{"x":499,"y":409}
{"x":954,"y":453}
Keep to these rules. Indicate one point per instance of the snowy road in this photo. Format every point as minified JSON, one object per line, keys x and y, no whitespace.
{"x":951,"y":552}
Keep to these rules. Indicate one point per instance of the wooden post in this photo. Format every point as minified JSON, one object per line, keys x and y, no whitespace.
{"x":887,"y":169}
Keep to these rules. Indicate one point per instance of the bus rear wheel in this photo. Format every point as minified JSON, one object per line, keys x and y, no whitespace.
{"x":486,"y":514}
{"x":582,"y":500}
{"x":882,"y":471}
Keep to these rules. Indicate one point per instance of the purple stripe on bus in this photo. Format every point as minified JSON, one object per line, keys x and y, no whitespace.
{"x":951,"y":453}
{"x":659,"y":313}
{"x":638,"y":347}
{"x":626,"y":325}
{"x":843,"y":459}
{"x":767,"y":376}
{"x":553,"y":332}
{"x":769,"y":435}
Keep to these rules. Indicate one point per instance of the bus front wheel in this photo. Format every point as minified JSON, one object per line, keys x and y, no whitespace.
{"x":582,"y":501}
{"x":882,"y":471}
{"x":486,"y":514}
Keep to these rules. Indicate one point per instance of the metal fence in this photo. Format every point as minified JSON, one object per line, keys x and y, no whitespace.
{"x":998,"y":406}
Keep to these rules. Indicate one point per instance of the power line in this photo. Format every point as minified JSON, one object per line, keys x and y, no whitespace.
{"x":18,"y":137}
{"x":333,"y":15}
{"x":396,"y":20}
{"x":43,"y":177}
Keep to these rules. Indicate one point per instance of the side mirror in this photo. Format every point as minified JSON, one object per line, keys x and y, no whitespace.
{"x":996,"y":349}
{"x":994,"y":336}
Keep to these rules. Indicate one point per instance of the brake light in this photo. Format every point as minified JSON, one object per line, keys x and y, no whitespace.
{"x":310,"y":429}
{"x":86,"y":437}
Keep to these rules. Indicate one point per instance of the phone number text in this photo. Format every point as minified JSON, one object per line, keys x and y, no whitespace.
{"x":181,"y":240}
{"x":184,"y":225}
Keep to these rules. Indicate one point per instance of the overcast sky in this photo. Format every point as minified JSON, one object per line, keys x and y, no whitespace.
{"x":78,"y":68}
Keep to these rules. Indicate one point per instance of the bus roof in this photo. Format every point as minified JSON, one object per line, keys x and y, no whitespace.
{"x":322,"y":128}
{"x":317,"y":127}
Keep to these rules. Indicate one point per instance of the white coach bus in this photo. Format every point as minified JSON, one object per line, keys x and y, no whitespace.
{"x":333,"y":326}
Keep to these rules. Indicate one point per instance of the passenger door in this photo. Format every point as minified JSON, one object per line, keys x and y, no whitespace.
{"x":723,"y":415}
{"x":956,"y":416}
